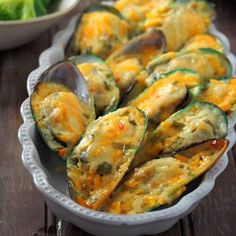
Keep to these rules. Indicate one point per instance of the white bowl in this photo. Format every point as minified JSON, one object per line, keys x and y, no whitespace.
{"x":18,"y":32}
{"x":49,"y":175}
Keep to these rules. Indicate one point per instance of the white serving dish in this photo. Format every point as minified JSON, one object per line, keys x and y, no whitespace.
{"x":49,"y":174}
{"x":18,"y":32}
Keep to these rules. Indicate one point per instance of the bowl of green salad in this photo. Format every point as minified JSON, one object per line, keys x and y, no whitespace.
{"x":23,"y":20}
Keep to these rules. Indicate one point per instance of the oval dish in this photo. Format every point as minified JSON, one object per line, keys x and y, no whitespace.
{"x":49,"y":176}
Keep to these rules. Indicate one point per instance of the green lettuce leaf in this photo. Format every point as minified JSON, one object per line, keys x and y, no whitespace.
{"x":23,"y":9}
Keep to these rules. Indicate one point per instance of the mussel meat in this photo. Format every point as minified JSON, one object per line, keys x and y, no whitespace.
{"x":161,"y":181}
{"x":101,"y":159}
{"x":196,"y":123}
{"x":100,"y":82}
{"x":62,"y":107}
{"x":101,"y":29}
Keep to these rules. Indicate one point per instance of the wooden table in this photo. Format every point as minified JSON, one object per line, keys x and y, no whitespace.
{"x":22,"y":209}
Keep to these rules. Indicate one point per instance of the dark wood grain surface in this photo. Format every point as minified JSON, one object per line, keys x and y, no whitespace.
{"x":22,"y":209}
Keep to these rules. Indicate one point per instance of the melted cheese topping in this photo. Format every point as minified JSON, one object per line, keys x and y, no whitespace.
{"x":203,"y":156}
{"x":184,"y":22}
{"x":42,"y":91}
{"x":149,"y":187}
{"x":144,"y":55}
{"x":221,"y":93}
{"x":63,"y":114}
{"x":125,"y":72}
{"x":136,"y":11}
{"x":203,"y":41}
{"x":194,"y":124}
{"x":160,"y":100}
{"x":101,"y":85}
{"x":162,"y":181}
{"x":60,"y":115}
{"x":157,"y":103}
{"x":155,"y":17}
{"x":207,"y":65}
{"x":104,"y":155}
{"x":179,"y":22}
{"x":128,"y":63}
{"x":100,"y":33}
{"x":219,"y":67}
{"x":147,"y":55}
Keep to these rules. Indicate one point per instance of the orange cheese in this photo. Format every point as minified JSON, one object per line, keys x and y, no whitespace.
{"x":221,"y":93}
{"x":204,"y":41}
{"x":102,"y":37}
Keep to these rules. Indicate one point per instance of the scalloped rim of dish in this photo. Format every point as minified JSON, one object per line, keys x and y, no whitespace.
{"x":41,"y":18}
{"x":56,"y":53}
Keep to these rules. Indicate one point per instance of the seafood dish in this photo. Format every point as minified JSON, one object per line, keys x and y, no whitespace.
{"x":139,"y":108}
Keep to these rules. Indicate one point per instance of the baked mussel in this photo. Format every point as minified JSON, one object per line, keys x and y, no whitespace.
{"x":128,"y":63}
{"x":180,"y":21}
{"x":209,"y":63}
{"x":100,"y":30}
{"x":101,"y":159}
{"x":100,"y":80}
{"x":167,"y":94}
{"x":220,"y":92}
{"x":135,"y":11}
{"x":204,"y":41}
{"x":161,"y":181}
{"x":196,"y":123}
{"x":62,"y":107}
